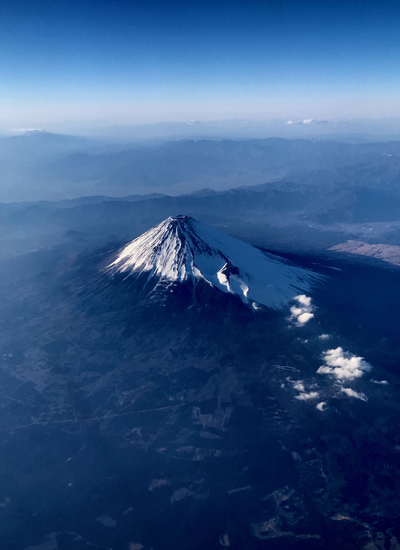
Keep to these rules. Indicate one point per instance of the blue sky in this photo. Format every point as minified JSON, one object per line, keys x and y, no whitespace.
{"x":130,"y":62}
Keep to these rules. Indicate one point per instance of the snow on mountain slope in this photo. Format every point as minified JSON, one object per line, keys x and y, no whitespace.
{"x":181,"y":249}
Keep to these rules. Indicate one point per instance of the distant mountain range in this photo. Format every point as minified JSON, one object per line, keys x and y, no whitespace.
{"x":284,"y":215}
{"x":41,"y":165}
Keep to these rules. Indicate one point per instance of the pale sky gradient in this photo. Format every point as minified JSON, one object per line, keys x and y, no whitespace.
{"x":124,"y":62}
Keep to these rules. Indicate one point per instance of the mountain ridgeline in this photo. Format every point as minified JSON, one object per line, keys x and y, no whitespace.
{"x":45,"y":166}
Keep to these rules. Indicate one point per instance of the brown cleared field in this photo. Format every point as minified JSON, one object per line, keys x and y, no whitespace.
{"x":385,"y":252}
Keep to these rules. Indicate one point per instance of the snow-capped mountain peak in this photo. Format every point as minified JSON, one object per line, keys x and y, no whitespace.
{"x":182,"y":249}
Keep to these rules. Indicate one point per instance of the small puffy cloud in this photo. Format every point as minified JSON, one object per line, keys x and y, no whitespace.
{"x":321,"y":406}
{"x":303,"y":394}
{"x":382,"y":382}
{"x":352,"y":393}
{"x":307,"y":396}
{"x":304,"y":300}
{"x":343,"y":364}
{"x":324,"y":336}
{"x":299,"y":386}
{"x":302,"y":313}
{"x":304,"y":317}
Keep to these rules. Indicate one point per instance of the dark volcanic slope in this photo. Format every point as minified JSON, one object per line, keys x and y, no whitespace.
{"x":173,"y":421}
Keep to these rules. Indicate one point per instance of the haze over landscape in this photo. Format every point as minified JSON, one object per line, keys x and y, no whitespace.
{"x":199,"y":267}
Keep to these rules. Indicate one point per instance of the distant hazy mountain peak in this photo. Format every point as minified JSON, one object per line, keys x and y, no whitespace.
{"x":30,"y":131}
{"x":182,"y":249}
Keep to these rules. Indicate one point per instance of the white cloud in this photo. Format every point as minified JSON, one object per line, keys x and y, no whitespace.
{"x":304,"y":395}
{"x":383,"y":382}
{"x":304,"y":300}
{"x":299,"y":386}
{"x":324,"y":336}
{"x":321,"y":406}
{"x":304,"y":317}
{"x":343,"y":364}
{"x":310,"y":121}
{"x":303,"y":312}
{"x":307,"y":396}
{"x":352,"y":393}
